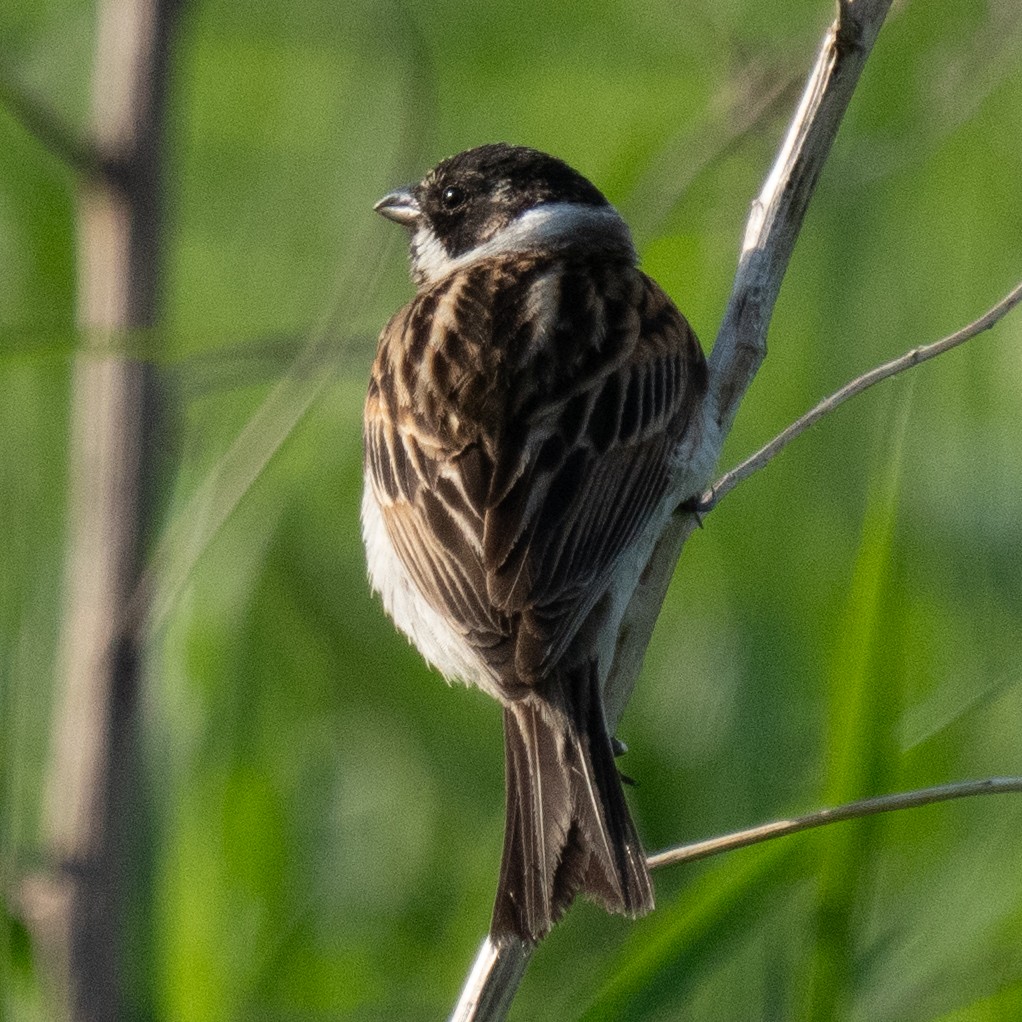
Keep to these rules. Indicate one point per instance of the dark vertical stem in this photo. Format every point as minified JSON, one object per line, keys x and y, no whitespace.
{"x":95,"y":804}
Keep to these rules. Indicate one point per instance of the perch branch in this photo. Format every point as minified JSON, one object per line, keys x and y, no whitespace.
{"x":776,"y":216}
{"x":770,"y":235}
{"x":916,"y":356}
{"x":493,"y":982}
{"x":822,"y":817}
{"x":498,"y":970}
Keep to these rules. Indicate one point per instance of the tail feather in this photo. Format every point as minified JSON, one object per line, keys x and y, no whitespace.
{"x":568,"y":828}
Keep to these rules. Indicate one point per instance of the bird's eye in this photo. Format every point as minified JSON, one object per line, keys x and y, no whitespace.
{"x":452,"y":197}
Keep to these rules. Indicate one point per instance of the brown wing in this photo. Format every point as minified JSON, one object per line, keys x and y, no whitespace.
{"x":599,"y":468}
{"x":426,"y":461}
{"x":524,"y":449}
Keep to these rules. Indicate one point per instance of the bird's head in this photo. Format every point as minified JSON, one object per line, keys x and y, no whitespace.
{"x":500,"y":198}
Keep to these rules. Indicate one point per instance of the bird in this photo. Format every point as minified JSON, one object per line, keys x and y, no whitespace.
{"x":525,"y":436}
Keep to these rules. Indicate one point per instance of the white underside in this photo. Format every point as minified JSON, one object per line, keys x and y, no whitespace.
{"x":447,"y":650}
{"x":443,"y":647}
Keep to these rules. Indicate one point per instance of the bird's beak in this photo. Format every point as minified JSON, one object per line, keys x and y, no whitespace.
{"x":401,"y":206}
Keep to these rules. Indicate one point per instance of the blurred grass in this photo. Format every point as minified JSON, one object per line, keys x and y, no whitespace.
{"x":861,"y":740}
{"x":328,"y":813}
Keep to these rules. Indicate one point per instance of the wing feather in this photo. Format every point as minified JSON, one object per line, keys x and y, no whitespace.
{"x":511,"y":485}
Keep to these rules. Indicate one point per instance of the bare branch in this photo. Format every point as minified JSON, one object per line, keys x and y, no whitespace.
{"x":770,"y":236}
{"x":776,"y":217}
{"x":493,"y":981}
{"x":822,"y":817}
{"x":916,"y":356}
{"x":498,"y":970}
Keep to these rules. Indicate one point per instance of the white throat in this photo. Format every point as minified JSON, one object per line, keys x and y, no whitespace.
{"x":556,"y":226}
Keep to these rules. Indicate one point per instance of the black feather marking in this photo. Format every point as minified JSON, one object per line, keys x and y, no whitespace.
{"x":649,"y":397}
{"x":420,"y":326}
{"x":380,"y":463}
{"x":475,"y":470}
{"x":605,"y":422}
{"x":574,"y":418}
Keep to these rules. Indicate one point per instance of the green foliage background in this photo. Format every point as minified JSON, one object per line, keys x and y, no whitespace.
{"x":326,"y":814}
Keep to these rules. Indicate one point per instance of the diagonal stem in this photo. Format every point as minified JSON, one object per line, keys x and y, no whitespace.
{"x":727,"y":482}
{"x":823,"y":817}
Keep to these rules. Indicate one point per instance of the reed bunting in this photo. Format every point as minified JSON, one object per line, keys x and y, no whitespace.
{"x":525,"y":431}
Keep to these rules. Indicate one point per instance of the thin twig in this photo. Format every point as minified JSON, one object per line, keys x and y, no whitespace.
{"x":916,"y":356}
{"x":58,"y":138}
{"x":823,"y":817}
